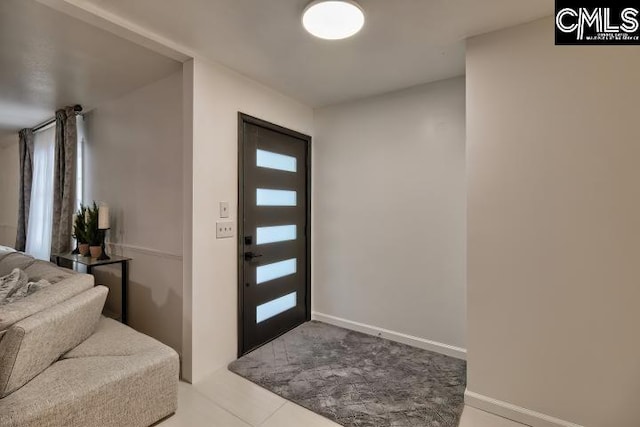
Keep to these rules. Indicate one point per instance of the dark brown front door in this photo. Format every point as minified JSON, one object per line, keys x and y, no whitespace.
{"x":274,"y":246}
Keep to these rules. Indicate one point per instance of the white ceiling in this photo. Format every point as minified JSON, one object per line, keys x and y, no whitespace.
{"x":49,"y":60}
{"x":403,"y":43}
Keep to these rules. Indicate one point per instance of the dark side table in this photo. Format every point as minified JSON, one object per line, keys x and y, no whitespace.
{"x":90,"y":263}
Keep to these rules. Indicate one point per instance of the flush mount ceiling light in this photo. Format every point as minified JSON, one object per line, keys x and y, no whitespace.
{"x":333,"y":19}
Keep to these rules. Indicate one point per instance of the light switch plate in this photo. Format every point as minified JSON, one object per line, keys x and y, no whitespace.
{"x":224,"y":229}
{"x":224,"y":209}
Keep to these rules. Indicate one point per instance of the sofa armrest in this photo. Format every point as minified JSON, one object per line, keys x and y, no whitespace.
{"x":33,"y":344}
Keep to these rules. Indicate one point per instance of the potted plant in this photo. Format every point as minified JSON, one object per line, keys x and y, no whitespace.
{"x":94,"y":235}
{"x":80,"y":231}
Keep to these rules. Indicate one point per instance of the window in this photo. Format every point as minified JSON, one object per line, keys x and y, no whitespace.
{"x":274,"y":307}
{"x":278,"y":233}
{"x":267,"y":159}
{"x":267,"y":272}
{"x":268,"y":197}
{"x":40,"y":225}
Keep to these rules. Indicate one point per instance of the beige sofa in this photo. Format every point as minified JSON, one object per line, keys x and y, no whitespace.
{"x":63,"y":364}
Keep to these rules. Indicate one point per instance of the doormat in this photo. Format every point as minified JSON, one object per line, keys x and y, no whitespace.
{"x":356,"y":379}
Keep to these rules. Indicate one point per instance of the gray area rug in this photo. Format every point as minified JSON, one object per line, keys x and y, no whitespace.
{"x":359,"y":380}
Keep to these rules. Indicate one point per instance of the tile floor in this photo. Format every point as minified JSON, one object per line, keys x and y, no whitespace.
{"x":227,"y":400}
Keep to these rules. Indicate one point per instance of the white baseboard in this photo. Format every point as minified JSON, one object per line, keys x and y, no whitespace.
{"x":449,"y":350}
{"x":513,"y":412}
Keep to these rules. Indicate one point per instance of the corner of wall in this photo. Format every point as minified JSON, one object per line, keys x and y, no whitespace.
{"x":187,"y":215}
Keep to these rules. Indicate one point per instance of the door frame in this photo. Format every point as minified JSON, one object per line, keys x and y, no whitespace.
{"x":305,"y":139}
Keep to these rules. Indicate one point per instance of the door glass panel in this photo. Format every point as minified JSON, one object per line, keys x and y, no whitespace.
{"x":266,"y":197}
{"x":274,"y":307}
{"x":280,"y":233}
{"x":268,"y":272}
{"x":267,"y":159}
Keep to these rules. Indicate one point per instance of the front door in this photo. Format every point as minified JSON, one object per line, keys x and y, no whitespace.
{"x":274,"y":239}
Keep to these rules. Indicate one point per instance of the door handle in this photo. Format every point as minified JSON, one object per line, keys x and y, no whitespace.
{"x":248,"y":256}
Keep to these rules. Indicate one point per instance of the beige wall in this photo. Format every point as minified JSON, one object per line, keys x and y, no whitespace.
{"x":211,"y":310}
{"x":9,"y":183}
{"x":553,"y":225}
{"x":389,"y":213}
{"x":133,"y":162}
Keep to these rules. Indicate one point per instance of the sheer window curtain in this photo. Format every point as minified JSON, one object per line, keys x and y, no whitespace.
{"x":39,"y":226}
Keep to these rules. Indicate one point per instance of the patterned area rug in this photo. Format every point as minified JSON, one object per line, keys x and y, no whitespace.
{"x":359,"y":380}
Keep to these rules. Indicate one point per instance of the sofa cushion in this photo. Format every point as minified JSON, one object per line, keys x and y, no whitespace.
{"x":68,"y":284}
{"x":24,"y":291}
{"x":117,"y":377}
{"x":12,"y":260}
{"x":10,"y":283}
{"x":42,"y":270}
{"x":47,"y":297}
{"x":33,"y":344}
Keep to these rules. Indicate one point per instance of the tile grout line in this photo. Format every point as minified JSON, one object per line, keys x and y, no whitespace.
{"x":221,"y":407}
{"x":285,"y":401}
{"x":273,"y":413}
{"x":241,"y":418}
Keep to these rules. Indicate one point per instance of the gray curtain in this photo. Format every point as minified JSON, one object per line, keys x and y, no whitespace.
{"x":26,"y":177}
{"x":64,"y":180}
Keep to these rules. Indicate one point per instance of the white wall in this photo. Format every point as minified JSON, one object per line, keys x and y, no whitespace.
{"x":218,"y":95}
{"x":9,"y":183}
{"x":389,"y":212}
{"x":133,"y":162}
{"x":553,"y":226}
